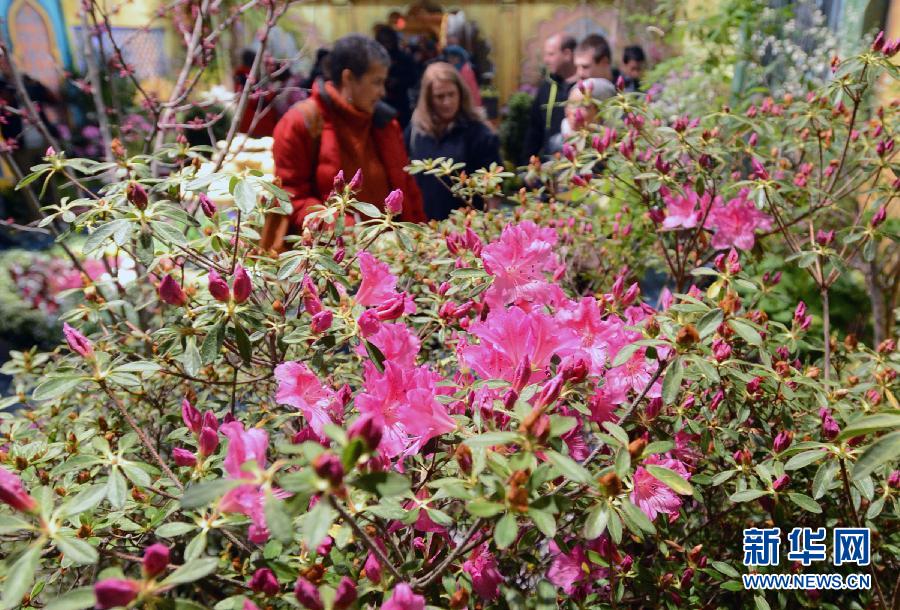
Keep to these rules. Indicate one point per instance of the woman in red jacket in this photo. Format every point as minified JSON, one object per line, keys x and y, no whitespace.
{"x":345,"y":126}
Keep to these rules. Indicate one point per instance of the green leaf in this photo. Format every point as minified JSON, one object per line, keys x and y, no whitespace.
{"x":279,"y":522}
{"x":76,"y":599}
{"x":596,"y":521}
{"x":141,"y":366}
{"x":243,"y":342}
{"x":823,"y":479}
{"x":614,"y":525}
{"x":368,"y":209}
{"x":489,"y":439}
{"x":636,"y":517}
{"x":104,"y":232}
{"x":483,"y":508}
{"x":544,"y":521}
{"x":872,"y":423}
{"x":116,"y":488}
{"x":20,"y":576}
{"x":170,"y":233}
{"x":804,"y":459}
{"x":761,"y":603}
{"x":375,"y":356}
{"x":55,"y":387}
{"x":191,"y":357}
{"x":672,"y":381}
{"x":805,"y":502}
{"x":212,"y":343}
{"x":385,"y":484}
{"x":569,"y":468}
{"x":625,"y":354}
{"x":86,"y":499}
{"x":885,"y":449}
{"x":709,"y":322}
{"x":316,"y":524}
{"x":506,"y":530}
{"x":205,"y":493}
{"x":191,"y":571}
{"x":745,"y":331}
{"x":244,"y":196}
{"x":617,"y":431}
{"x":76,"y":550}
{"x":747,"y":495}
{"x":176,"y":528}
{"x":671,"y":479}
{"x":725,"y":569}
{"x":195,"y":547}
{"x":10,"y":524}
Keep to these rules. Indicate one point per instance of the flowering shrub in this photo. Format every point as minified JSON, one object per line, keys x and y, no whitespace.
{"x":478,"y":413}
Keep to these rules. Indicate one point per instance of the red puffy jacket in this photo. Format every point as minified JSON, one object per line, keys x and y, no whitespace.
{"x":324,"y":134}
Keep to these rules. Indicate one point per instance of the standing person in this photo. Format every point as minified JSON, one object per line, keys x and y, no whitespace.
{"x":446,"y":123}
{"x":402,"y":75}
{"x":633,"y":62}
{"x":260,"y":115}
{"x":343,"y":126}
{"x":547,"y":109}
{"x":458,"y":57}
{"x":593,"y":58}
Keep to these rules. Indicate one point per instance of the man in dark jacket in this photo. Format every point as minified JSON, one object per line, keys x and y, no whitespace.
{"x":548,"y":108}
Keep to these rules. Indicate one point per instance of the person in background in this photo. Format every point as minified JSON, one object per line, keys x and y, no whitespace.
{"x":458,"y":57}
{"x":593,"y":58}
{"x":402,"y":75}
{"x":547,"y":109}
{"x":260,"y":115}
{"x":446,"y":123}
{"x":319,"y":68}
{"x":581,"y":108}
{"x":633,"y":63}
{"x":343,"y":126}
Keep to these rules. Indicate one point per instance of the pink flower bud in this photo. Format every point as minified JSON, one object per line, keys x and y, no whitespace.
{"x":183,"y":457}
{"x":754,"y":139}
{"x":208,"y":441}
{"x":372,"y":568}
{"x":50,"y":152}
{"x":392,"y":308}
{"x":210,"y":421}
{"x":367,"y":429}
{"x":170,"y":292}
{"x":321,"y":322}
{"x":393,"y":203}
{"x":13,"y":493}
{"x":357,"y":181}
{"x":136,"y":194}
{"x":307,"y":593}
{"x":576,"y":370}
{"x":782,"y":441}
{"x":824,"y":238}
{"x":345,"y":594}
{"x":568,"y":151}
{"x":830,"y":428}
{"x":339,"y":255}
{"x":78,"y":343}
{"x":156,"y":560}
{"x":781,"y":482}
{"x":550,"y":391}
{"x":893,"y":480}
{"x":242,"y":285}
{"x":190,"y":416}
{"x":207,"y":206}
{"x":620,"y":83}
{"x":264,"y":581}
{"x":328,"y":466}
{"x":114,"y":592}
{"x":879,"y":217}
{"x":368,"y":322}
{"x":721,"y":350}
{"x":878,"y":43}
{"x":522,"y":374}
{"x":218,"y":288}
{"x":338,"y":182}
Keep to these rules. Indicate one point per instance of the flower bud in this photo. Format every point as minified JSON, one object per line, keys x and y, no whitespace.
{"x":620,"y":83}
{"x":879,"y":217}
{"x":190,"y":416}
{"x":183,"y":457}
{"x":878,"y":43}
{"x":136,"y":195}
{"x":576,"y":371}
{"x":78,"y":343}
{"x":217,"y":287}
{"x":568,"y":151}
{"x":830,"y":428}
{"x":345,"y":594}
{"x":321,"y":321}
{"x":687,"y":336}
{"x":357,"y":181}
{"x":13,"y":493}
{"x":781,"y":482}
{"x":170,"y":292}
{"x":721,"y":350}
{"x":636,"y":447}
{"x":893,"y":480}
{"x":372,"y":568}
{"x":156,"y":560}
{"x":522,"y":374}
{"x":338,"y":182}
{"x":368,"y":322}
{"x":783,"y":441}
{"x":550,"y":391}
{"x":463,"y":457}
{"x":392,"y":308}
{"x":307,"y":593}
{"x":367,"y":429}
{"x":328,"y":466}
{"x":612,"y":483}
{"x":114,"y":592}
{"x":393,"y":203}
{"x":207,"y":205}
{"x":208,"y":442}
{"x":210,"y":421}
{"x":242,"y":285}
{"x":264,"y":581}
{"x":824,"y":238}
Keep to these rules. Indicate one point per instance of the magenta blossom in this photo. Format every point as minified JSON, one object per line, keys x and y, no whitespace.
{"x":114,"y":592}
{"x":653,"y":496}
{"x":299,"y":387}
{"x":486,"y":578}
{"x":735,"y":222}
{"x":246,"y":446}
{"x":403,"y":598}
{"x":13,"y":493}
{"x":378,"y":283}
{"x":78,"y":343}
{"x":397,"y":342}
{"x":518,"y":261}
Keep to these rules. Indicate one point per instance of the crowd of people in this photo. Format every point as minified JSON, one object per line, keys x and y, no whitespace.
{"x":360,"y":115}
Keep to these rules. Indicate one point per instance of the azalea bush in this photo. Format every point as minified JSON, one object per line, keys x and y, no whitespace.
{"x":483,"y":412}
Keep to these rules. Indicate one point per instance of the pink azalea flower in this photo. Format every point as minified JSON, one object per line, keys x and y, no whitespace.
{"x":378,"y":283}
{"x":684,"y":211}
{"x":402,"y":400}
{"x":518,"y":262}
{"x":585,"y":318}
{"x":299,"y":387}
{"x":654,"y":497}
{"x":403,"y":598}
{"x":246,"y":446}
{"x":507,"y":336}
{"x":486,"y":578}
{"x":634,"y":375}
{"x":735,"y":222}
{"x":397,"y":342}
{"x":574,"y":572}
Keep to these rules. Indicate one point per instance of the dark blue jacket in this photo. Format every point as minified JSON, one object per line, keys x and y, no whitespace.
{"x":469,"y":142}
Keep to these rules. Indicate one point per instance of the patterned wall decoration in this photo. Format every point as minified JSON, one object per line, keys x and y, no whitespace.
{"x":36,"y":34}
{"x":144,"y":49}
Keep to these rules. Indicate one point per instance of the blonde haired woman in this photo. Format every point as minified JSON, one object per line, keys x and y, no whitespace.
{"x":446,"y":124}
